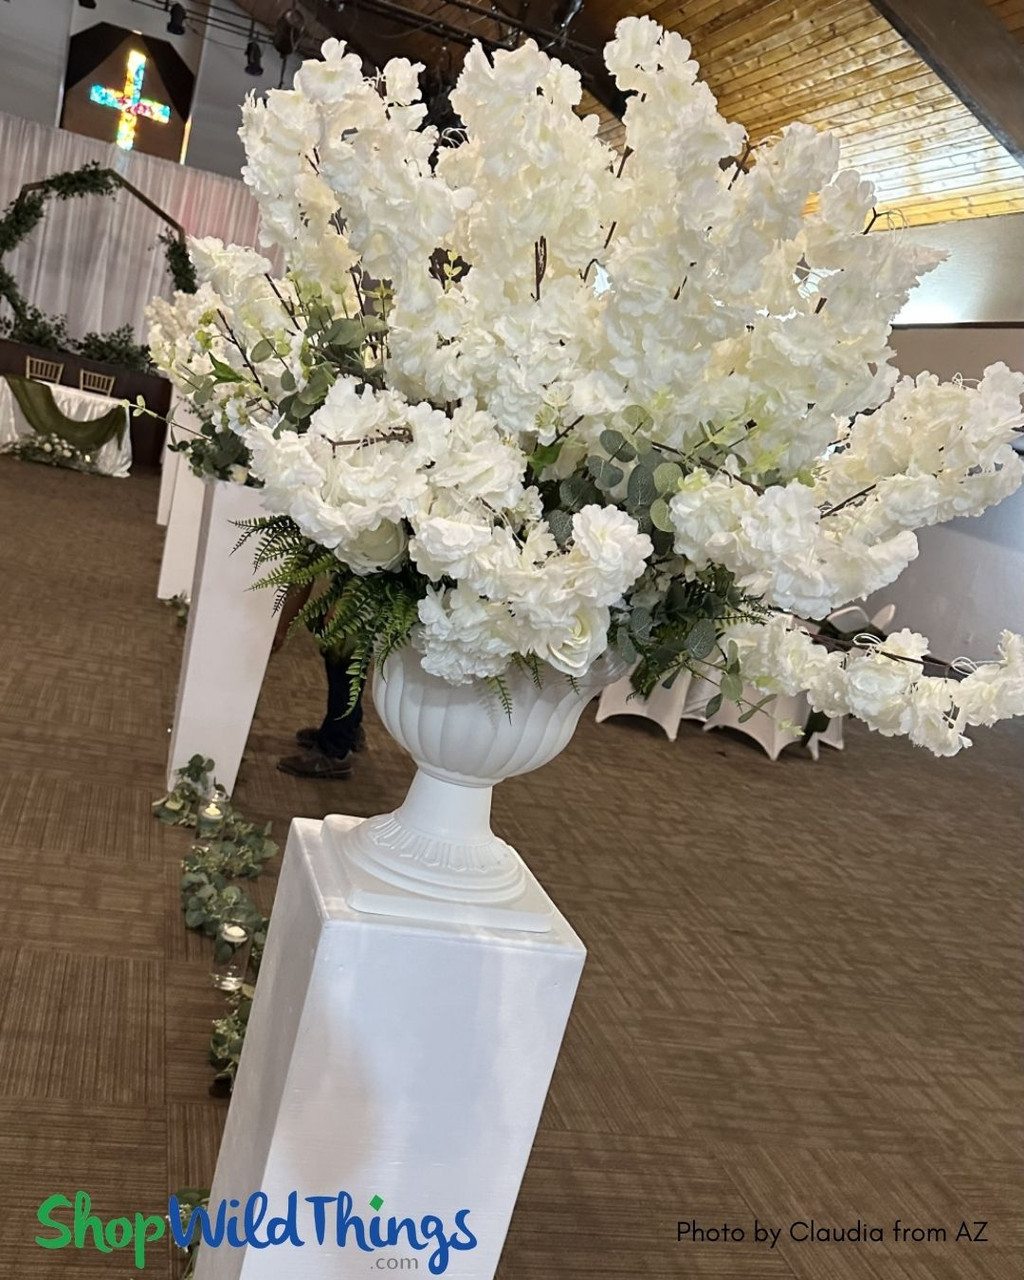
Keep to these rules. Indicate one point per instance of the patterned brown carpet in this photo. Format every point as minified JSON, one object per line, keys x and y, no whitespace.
{"x":803,"y":997}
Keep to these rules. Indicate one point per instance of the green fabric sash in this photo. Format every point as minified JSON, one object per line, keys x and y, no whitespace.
{"x":38,"y":406}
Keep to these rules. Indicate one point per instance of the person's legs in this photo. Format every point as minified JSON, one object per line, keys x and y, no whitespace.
{"x":340,"y":729}
{"x":327,"y":751}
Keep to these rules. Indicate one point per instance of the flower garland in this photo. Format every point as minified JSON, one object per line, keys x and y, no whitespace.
{"x":51,"y":450}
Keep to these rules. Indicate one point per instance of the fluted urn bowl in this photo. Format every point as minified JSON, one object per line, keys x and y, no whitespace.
{"x":439,"y":844}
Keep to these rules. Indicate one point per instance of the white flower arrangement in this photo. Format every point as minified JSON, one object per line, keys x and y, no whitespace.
{"x":522,"y":397}
{"x":53,"y":450}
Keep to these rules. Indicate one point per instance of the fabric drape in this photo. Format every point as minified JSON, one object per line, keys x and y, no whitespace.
{"x":97,"y":259}
{"x":37,"y":404}
{"x":81,"y":407}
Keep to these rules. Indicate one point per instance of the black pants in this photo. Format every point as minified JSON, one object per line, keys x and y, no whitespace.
{"x":337,"y":735}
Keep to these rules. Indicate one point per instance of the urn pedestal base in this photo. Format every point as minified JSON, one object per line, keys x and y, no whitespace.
{"x":393,"y":1058}
{"x":436,"y":858}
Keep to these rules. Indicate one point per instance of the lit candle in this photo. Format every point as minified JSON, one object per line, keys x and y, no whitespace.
{"x":231,"y":956}
{"x":209,"y":818}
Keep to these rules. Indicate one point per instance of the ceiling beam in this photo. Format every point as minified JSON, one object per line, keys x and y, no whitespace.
{"x":371,"y":26}
{"x":968,"y":48}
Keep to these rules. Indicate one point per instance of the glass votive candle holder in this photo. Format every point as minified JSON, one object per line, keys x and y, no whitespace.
{"x":231,"y":955}
{"x":210,"y":813}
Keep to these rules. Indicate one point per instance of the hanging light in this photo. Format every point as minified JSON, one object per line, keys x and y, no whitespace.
{"x":253,"y":59}
{"x":176,"y":22}
{"x":289,"y":30}
{"x":564,"y":14}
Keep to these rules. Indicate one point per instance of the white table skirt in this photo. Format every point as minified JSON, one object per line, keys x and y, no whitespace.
{"x":113,"y":459}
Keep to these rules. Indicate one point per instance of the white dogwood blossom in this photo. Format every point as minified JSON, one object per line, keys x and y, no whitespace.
{"x":885,"y":684}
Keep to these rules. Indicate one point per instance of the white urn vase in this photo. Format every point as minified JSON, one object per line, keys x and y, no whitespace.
{"x":436,"y":857}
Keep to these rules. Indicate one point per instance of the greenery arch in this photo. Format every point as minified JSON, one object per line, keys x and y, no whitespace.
{"x":30,"y":325}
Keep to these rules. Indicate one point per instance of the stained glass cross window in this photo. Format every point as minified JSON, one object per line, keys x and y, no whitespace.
{"x":130,"y":101}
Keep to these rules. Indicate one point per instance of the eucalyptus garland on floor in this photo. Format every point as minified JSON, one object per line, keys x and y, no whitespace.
{"x":236,"y":850}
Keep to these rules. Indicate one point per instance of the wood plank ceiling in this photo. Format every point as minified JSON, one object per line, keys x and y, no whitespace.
{"x":836,"y":64}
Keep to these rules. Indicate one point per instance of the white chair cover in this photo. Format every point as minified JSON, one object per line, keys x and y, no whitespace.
{"x":686,"y":700}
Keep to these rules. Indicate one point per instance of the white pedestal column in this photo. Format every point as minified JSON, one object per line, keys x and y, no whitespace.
{"x":169,"y":463}
{"x":182,"y":538}
{"x":392,"y":1058}
{"x":227,"y":644}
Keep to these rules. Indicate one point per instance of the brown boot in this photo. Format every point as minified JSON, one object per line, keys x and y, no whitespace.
{"x":308,"y":739}
{"x":314,"y":764}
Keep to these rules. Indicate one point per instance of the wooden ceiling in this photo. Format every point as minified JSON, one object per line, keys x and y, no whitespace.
{"x":836,"y":64}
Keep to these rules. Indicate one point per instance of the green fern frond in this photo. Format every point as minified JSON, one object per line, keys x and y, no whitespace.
{"x":500,"y":686}
{"x":530,"y":664}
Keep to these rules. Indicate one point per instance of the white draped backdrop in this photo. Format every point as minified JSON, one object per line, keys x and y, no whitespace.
{"x":97,"y":259}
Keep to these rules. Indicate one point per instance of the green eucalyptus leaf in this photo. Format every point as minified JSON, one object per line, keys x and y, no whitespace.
{"x":640,"y":490}
{"x":224,"y":372}
{"x":606,"y":474}
{"x":701,"y":640}
{"x":263,"y":350}
{"x":576,"y":491}
{"x":636,"y":416}
{"x":667,"y":476}
{"x":732,"y":686}
{"x":615,"y":444}
{"x":625,"y":646}
{"x":661,"y":516}
{"x":714,"y":705}
{"x":641,"y":622}
{"x":560,"y":524}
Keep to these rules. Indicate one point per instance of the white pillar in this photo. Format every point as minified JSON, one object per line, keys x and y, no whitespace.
{"x":393,"y":1058}
{"x":182,"y":537}
{"x":169,"y":463}
{"x":227,"y":644}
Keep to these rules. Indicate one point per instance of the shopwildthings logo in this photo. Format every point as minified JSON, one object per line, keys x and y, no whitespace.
{"x":310,"y":1220}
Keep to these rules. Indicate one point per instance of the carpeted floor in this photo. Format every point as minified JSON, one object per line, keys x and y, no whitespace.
{"x":803,"y":996}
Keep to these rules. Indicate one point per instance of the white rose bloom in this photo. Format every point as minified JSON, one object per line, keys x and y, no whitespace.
{"x":578,"y":643}
{"x":373,"y":549}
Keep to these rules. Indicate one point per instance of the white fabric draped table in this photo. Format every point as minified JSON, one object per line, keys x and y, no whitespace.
{"x":112,"y":459}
